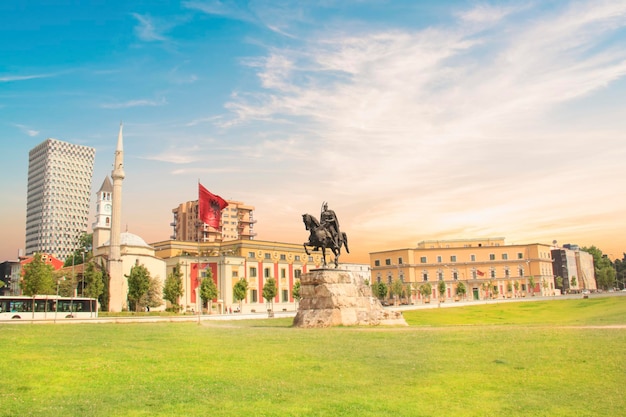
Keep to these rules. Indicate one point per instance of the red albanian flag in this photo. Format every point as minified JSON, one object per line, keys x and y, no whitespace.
{"x":210,"y":207}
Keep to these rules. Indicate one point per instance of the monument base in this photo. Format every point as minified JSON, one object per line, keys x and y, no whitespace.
{"x":335,"y":297}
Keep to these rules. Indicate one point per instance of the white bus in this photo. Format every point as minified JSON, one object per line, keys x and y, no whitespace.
{"x":47,"y":307}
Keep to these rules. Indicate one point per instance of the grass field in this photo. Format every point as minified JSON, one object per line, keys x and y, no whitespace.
{"x":553,"y":358}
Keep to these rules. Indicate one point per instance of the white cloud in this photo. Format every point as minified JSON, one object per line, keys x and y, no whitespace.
{"x":221,"y":8}
{"x":426,"y":120}
{"x":146,"y":29}
{"x":27,"y":130}
{"x":134,"y":103}
{"x":13,"y":78}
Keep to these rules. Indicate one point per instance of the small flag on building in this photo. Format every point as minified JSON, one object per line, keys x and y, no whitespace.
{"x":210,"y":207}
{"x":481,"y":273}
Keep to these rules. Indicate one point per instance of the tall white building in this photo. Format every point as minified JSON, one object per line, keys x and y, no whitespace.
{"x":59,"y":188}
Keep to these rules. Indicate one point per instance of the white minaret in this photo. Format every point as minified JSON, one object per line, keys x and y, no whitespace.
{"x":118,"y":285}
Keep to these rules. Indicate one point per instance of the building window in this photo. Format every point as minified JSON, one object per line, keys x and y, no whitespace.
{"x":254,"y":296}
{"x":507,"y":273}
{"x":440,"y":276}
{"x":283,"y":257}
{"x":267,"y":273}
{"x":253,"y":272}
{"x":268,"y":255}
{"x":297,"y":273}
{"x":505,"y":256}
{"x":455,"y":275}
{"x":389,"y":279}
{"x":474,"y":274}
{"x":310,"y":259}
{"x":439,"y":259}
{"x":473,"y":258}
{"x":492,"y":256}
{"x":235,"y":274}
{"x":251,"y":255}
{"x":399,"y":261}
{"x":297,"y":258}
{"x":285,"y":296}
{"x":453,"y":258}
{"x":283,"y":273}
{"x":423,"y":259}
{"x":378,"y":279}
{"x":387,"y":261}
{"x":425,"y":276}
{"x":520,"y":255}
{"x":521,"y":272}
{"x":493,"y":273}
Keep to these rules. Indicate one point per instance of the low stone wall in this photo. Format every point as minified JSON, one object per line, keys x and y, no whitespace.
{"x":335,"y":297}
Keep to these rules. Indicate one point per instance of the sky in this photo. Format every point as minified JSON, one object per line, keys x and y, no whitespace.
{"x":414,"y":120}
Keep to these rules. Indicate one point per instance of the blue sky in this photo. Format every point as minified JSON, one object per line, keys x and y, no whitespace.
{"x":414,"y":120}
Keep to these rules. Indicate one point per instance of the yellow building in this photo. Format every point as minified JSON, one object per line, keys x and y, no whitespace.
{"x":487,"y":268}
{"x":253,"y":260}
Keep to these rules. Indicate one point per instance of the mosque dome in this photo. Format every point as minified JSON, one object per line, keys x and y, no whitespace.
{"x":129,"y":239}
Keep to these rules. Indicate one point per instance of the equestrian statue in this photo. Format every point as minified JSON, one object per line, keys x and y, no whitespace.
{"x":325,"y":234}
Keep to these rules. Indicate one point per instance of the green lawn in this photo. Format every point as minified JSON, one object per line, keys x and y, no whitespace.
{"x":543,"y":359}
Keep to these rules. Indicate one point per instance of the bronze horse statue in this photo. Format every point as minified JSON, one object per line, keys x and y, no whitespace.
{"x":322,"y":237}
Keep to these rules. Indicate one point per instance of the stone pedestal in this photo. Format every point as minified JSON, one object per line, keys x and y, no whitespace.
{"x":335,"y":297}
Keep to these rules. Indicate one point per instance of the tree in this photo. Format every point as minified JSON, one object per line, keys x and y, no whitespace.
{"x":106,"y":280}
{"x":441,"y":287}
{"x":426,"y":290}
{"x":38,"y":277}
{"x":138,"y":285}
{"x":269,"y":292}
{"x":295,"y":291}
{"x":82,"y":252}
{"x":153,"y":296}
{"x":208,"y":290}
{"x":92,"y":277}
{"x":460,"y":289}
{"x":173,"y":288}
{"x":240,"y":290}
{"x":605,"y":278}
{"x":487,"y":288}
{"x":559,"y":282}
{"x":620,"y":268}
{"x":573,"y":282}
{"x":380,"y":290}
{"x":396,"y":289}
{"x":65,"y":284}
{"x":531,"y":285}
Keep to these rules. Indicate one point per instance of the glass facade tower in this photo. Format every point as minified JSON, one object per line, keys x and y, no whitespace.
{"x":58,"y":200}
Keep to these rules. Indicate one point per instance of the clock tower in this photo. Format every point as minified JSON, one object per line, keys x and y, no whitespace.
{"x":102,"y":226}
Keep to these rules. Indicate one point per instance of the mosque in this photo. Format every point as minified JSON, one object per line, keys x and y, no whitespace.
{"x":120,"y":250}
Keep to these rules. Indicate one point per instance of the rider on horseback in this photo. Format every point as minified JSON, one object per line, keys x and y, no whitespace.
{"x":329,"y":222}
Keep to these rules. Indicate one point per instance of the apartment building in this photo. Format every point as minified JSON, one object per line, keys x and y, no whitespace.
{"x":237,"y":223}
